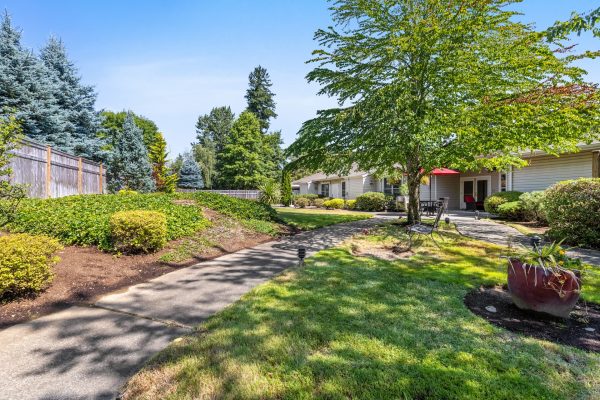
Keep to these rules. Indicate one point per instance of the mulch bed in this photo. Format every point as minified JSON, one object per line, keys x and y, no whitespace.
{"x":571,"y":331}
{"x":84,"y":274}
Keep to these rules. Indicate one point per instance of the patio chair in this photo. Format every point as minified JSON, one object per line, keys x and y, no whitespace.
{"x":425,"y":229}
{"x":472,"y":204}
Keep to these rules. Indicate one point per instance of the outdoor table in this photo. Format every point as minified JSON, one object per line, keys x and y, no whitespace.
{"x":429,"y":206}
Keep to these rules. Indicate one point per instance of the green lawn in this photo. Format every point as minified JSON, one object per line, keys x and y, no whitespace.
{"x":364,"y":328}
{"x":309,"y":218}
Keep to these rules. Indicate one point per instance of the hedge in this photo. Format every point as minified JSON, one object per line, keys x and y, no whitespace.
{"x":335,"y":204}
{"x":491,"y":203}
{"x":26,"y":263}
{"x":370,"y":201}
{"x":573,"y":211}
{"x":232,"y":206}
{"x":138,"y":231}
{"x":84,"y":220}
{"x":512,"y":210}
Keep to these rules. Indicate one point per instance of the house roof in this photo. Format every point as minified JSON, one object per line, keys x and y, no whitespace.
{"x":324,"y":177}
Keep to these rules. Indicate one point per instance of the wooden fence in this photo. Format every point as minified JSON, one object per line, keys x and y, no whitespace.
{"x":240,"y":194}
{"x":53,"y":173}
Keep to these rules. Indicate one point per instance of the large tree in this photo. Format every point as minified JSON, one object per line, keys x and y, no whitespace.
{"x":260,"y":97}
{"x":214,"y":128}
{"x":452,"y":83}
{"x":113,"y":123}
{"x":244,"y":166}
{"x":75,"y":100}
{"x":129,"y":167}
{"x":190,"y":175}
{"x":206,"y":156}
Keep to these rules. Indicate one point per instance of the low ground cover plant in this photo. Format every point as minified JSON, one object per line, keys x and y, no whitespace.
{"x":26,"y":263}
{"x":491,"y":203}
{"x":232,"y":206}
{"x":138,"y":231}
{"x":370,"y":201}
{"x":573,"y":211}
{"x":84,"y":220}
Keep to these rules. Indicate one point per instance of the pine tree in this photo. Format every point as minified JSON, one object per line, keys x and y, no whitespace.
{"x":286,"y":188}
{"x":129,"y":167}
{"x":244,"y":166}
{"x":29,"y":88}
{"x":75,"y":100}
{"x":260,"y":98}
{"x":206,"y":156}
{"x":215,"y":127}
{"x":164,"y":181}
{"x":112,"y":124}
{"x":190,"y":176}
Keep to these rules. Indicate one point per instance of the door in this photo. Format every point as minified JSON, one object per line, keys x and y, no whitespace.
{"x":477,"y":186}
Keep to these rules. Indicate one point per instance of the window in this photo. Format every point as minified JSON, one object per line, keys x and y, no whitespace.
{"x":391,"y":188}
{"x":343,"y":190}
{"x":325,"y":189}
{"x":503,"y":181}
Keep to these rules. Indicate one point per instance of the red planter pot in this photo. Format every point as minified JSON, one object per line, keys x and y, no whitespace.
{"x":536,"y":288}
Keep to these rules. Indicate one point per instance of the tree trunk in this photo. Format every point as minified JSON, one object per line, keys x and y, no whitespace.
{"x":414,"y":184}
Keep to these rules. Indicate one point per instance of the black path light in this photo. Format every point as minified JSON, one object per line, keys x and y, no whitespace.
{"x":301,"y":254}
{"x":535,"y":242}
{"x":447,"y":220}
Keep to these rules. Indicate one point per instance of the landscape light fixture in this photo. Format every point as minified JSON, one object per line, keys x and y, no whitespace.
{"x":535,"y":242}
{"x":301,"y":254}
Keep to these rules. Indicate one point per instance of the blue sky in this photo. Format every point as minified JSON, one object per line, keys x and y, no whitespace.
{"x":174,"y":60}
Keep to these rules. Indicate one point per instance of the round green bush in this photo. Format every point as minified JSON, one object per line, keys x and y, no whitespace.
{"x":573,"y":211}
{"x":335,"y":204}
{"x":491,"y":203}
{"x":138,"y":231}
{"x":512,"y":210}
{"x":533,"y":207}
{"x":319,"y":202}
{"x":301,"y":202}
{"x":350,"y":205}
{"x":370,"y":201}
{"x":26,"y":263}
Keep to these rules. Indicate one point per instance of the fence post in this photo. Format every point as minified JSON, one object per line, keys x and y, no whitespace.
{"x":80,"y":176}
{"x":48,"y":171}
{"x":100,"y":183}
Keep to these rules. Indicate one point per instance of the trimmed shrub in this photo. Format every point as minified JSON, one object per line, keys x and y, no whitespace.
{"x":491,"y":203}
{"x":350,"y":205}
{"x":319,"y":202}
{"x":573,"y":211}
{"x":26,"y":263}
{"x":335,"y":204}
{"x":301,"y":202}
{"x":533,"y":207}
{"x":310,"y":197}
{"x":512,"y":210}
{"x":138,"y":231}
{"x":84,"y":220}
{"x":371,"y":201}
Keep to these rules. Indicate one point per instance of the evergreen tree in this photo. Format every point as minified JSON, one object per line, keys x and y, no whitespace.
{"x":112,"y":124}
{"x":215,"y":127}
{"x":286,"y":188}
{"x":75,"y":100}
{"x":260,"y":98}
{"x":273,"y":156}
{"x":175,"y":165}
{"x":206,"y":156}
{"x":243,"y":161}
{"x":190,"y":176}
{"x":164,"y":181}
{"x":129,"y":167}
{"x":29,"y":87}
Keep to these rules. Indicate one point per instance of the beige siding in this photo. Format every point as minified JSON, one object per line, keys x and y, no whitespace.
{"x":447,"y":186}
{"x":543,"y":172}
{"x":354,"y":186}
{"x":369,"y":184}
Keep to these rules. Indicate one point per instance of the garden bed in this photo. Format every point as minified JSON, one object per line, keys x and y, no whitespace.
{"x":86,"y":273}
{"x":581,"y":330}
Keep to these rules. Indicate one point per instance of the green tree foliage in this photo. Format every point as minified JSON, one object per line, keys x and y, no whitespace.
{"x":175,"y":165}
{"x":578,"y":23}
{"x":10,"y":195}
{"x":164,"y":181}
{"x":260,"y":97}
{"x":270,"y":192}
{"x":244,"y":165}
{"x":214,"y":128}
{"x":425,"y":84}
{"x":286,"y":188}
{"x":113,"y":124}
{"x":206,"y":156}
{"x":190,"y":175}
{"x":129,"y":167}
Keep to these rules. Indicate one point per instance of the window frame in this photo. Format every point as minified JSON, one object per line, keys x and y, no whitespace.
{"x":322,"y":189}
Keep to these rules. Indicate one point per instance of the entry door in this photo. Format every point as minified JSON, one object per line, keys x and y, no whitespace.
{"x":482,"y":189}
{"x":478,"y":187}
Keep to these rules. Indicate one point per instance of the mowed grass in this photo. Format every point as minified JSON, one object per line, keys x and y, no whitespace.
{"x":310,"y":218}
{"x":365,"y":328}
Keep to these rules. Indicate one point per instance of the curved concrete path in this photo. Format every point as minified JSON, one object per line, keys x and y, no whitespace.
{"x":89,"y":352}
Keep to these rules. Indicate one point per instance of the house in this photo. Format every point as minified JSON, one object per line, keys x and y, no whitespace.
{"x":542,"y":171}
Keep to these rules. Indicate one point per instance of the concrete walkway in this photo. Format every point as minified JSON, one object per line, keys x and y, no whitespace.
{"x":494,"y":232}
{"x":89,"y":352}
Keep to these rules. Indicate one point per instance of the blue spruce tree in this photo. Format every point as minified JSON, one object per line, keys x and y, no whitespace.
{"x":75,"y":100}
{"x":28,"y":88}
{"x":129,"y":166}
{"x":190,"y":175}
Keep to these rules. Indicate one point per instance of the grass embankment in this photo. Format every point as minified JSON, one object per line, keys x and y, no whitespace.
{"x":363,"y":327}
{"x":310,"y":218}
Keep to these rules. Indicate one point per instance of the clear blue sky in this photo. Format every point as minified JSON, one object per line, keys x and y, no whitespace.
{"x":174,"y":60}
